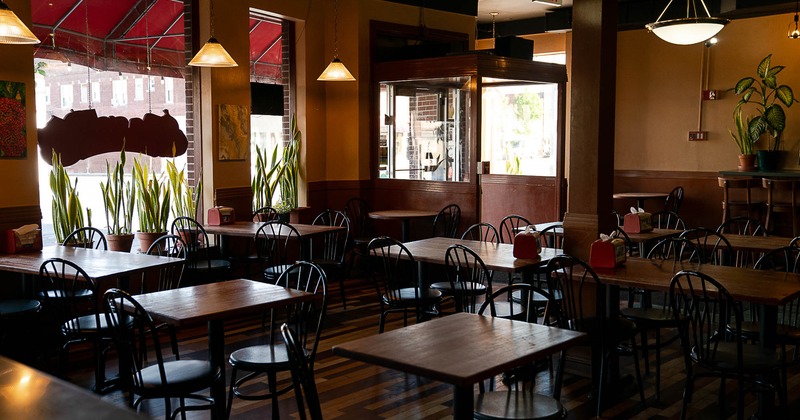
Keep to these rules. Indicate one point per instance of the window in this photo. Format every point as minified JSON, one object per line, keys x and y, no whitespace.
{"x":119,"y":92}
{"x":66,"y":95}
{"x":47,"y":94}
{"x":95,"y":91}
{"x":169,"y":90}
{"x":423,"y":133}
{"x":519,"y":128}
{"x":138,"y":89}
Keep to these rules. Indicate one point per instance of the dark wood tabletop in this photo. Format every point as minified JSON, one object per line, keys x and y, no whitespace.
{"x":756,"y":243}
{"x":460,"y":349}
{"x":214,"y":303}
{"x":99,"y":265}
{"x":498,"y":257}
{"x":758,"y":286}
{"x":249,"y":229}
{"x":402,"y":214}
{"x":26,"y":393}
{"x":653,"y":235}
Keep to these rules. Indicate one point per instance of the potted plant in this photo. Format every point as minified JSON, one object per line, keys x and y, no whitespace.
{"x":283,"y":209}
{"x":266,"y":177}
{"x":743,"y":140}
{"x":119,"y":198}
{"x":185,"y":198}
{"x":764,"y":92}
{"x":291,"y":166}
{"x":152,"y":204}
{"x":67,"y":209}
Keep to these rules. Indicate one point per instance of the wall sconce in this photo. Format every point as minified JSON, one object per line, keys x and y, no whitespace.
{"x":12,"y":30}
{"x":688,"y":30}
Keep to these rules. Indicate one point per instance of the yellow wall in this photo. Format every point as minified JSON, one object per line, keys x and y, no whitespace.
{"x":21,"y":187}
{"x":658,"y":95}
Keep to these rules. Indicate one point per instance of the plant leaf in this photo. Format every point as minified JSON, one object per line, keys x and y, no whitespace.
{"x":763,"y":67}
{"x":743,"y":85}
{"x":775,"y":70}
{"x":785,"y":94}
{"x":775,"y":117}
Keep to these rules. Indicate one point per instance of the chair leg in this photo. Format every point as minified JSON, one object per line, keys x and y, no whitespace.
{"x":230,"y":392}
{"x":381,"y":322}
{"x":183,"y":412}
{"x":721,"y":397}
{"x":341,"y":292}
{"x":658,"y":365}
{"x":687,"y":394}
{"x":638,"y":371}
{"x":273,"y":389}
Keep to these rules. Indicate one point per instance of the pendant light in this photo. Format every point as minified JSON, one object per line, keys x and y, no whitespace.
{"x":795,"y":33}
{"x":212,"y":54}
{"x":688,"y":30}
{"x":12,"y":30}
{"x":336,"y":70}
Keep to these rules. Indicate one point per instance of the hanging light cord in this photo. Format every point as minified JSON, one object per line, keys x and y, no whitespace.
{"x":88,"y":69}
{"x":211,"y":16}
{"x":147,"y":46}
{"x":335,"y":29}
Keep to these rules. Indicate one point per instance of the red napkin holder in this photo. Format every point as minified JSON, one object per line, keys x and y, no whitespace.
{"x":607,"y":254}
{"x":221,"y":216}
{"x":10,"y":243}
{"x":526,"y":245}
{"x":637,"y":223}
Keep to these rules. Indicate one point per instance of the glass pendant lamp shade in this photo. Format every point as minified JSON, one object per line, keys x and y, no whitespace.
{"x":794,"y":29}
{"x":12,"y":30}
{"x":212,"y":54}
{"x":336,"y":72}
{"x":688,"y":30}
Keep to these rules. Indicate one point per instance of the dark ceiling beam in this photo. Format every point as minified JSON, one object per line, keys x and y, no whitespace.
{"x":464,"y":7}
{"x":634,"y":14}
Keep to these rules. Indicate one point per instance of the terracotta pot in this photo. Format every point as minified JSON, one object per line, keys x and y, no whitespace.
{"x":147,"y":238}
{"x":121,"y":243}
{"x":747,"y":163}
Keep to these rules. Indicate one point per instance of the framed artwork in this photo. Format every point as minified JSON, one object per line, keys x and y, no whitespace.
{"x":13,"y":132}
{"x":234,"y":132}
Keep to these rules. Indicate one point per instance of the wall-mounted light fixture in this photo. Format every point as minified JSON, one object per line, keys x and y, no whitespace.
{"x":688,"y":30}
{"x":336,"y":70}
{"x":12,"y":30}
{"x":794,"y":33}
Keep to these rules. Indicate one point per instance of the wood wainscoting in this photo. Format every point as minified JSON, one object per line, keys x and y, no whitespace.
{"x":240,"y":198}
{"x":702,"y":196}
{"x":533,"y":197}
{"x":14,"y":217}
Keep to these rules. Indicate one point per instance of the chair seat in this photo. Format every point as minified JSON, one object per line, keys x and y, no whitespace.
{"x":407,"y":296}
{"x":88,"y":324}
{"x":212,"y":265}
{"x":783,"y":333}
{"x":12,"y":307}
{"x":259,"y":358}
{"x":182,"y":376}
{"x":272,"y":273}
{"x":652,"y":317}
{"x":65,"y":294}
{"x":517,"y":405}
{"x":446,"y":287}
{"x":756,"y":358}
{"x":505,"y":309}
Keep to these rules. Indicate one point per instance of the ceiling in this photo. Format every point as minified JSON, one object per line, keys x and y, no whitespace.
{"x":508,"y":10}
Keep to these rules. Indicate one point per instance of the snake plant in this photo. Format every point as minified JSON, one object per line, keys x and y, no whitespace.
{"x":153,"y":199}
{"x":291,"y":156}
{"x":185,"y":197}
{"x":119,"y":198}
{"x":67,"y":209}
{"x":266,"y":177}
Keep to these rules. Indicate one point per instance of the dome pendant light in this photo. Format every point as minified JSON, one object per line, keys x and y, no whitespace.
{"x":12,"y":30}
{"x":795,"y":33}
{"x":688,"y":30}
{"x":336,"y":70}
{"x":212,"y":54}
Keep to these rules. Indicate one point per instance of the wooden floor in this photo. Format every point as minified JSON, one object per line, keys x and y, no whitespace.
{"x":353,"y":390}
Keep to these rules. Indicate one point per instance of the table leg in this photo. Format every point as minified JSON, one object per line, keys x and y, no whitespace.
{"x":216,"y":355}
{"x":463,"y":402}
{"x":768,"y":320}
{"x":405,"y":230}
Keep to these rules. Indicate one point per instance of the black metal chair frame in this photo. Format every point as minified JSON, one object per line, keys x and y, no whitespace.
{"x":361,"y":230}
{"x":674,"y":200}
{"x":710,"y":246}
{"x":448,"y":220}
{"x":302,"y":376}
{"x":199,"y":252}
{"x":275,"y":249}
{"x":509,"y":226}
{"x":469,"y":281}
{"x":552,"y":236}
{"x":483,"y":232}
{"x":334,"y":247}
{"x":87,"y":237}
{"x":667,"y":219}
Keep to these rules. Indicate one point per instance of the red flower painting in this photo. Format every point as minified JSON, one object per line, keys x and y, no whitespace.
{"x":13,"y":133}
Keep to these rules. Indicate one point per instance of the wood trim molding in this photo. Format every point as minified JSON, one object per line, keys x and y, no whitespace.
{"x":431,"y":186}
{"x":221,"y":194}
{"x":538,"y":181}
{"x":637,"y":173}
{"x":327,"y":186}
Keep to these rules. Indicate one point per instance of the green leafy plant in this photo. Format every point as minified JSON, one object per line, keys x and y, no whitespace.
{"x":266,"y":177}
{"x":291,"y":166}
{"x":185,"y":198}
{"x":764,"y":92}
{"x":67,"y":209}
{"x":119,"y":198}
{"x":282,"y":207}
{"x":742,"y":135}
{"x":153,"y":199}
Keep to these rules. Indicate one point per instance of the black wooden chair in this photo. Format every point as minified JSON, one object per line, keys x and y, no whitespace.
{"x":509,"y":226}
{"x":202,"y":260}
{"x":265,"y":214}
{"x":518,"y":400}
{"x":278,"y":245}
{"x":305,"y":390}
{"x":87,"y":237}
{"x":552,"y":236}
{"x":331,"y":252}
{"x":702,"y":307}
{"x":167,"y":277}
{"x":395,"y":276}
{"x":361,"y":229}
{"x":446,"y":223}
{"x":674,"y":200}
{"x":483,"y":232}
{"x":572,"y":278}
{"x":667,"y":219}
{"x":271,"y":358}
{"x":711,"y":247}
{"x":469,"y":281}
{"x":155,"y":377}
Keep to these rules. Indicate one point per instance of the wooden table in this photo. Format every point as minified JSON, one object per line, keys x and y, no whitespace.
{"x":640,"y":197}
{"x":655,"y":235}
{"x":497,"y":257}
{"x":212,"y":304}
{"x":756,"y":243}
{"x":26,"y":393}
{"x":249,"y":229}
{"x":405,"y":217}
{"x":460,"y":349}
